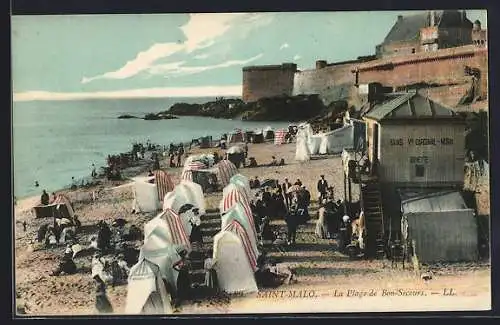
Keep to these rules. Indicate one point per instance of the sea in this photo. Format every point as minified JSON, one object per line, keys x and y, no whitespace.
{"x":54,"y":141}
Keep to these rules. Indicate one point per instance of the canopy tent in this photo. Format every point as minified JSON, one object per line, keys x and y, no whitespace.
{"x":336,"y":141}
{"x":243,"y":182}
{"x":236,"y":136}
{"x":170,"y":226}
{"x":279,"y":136}
{"x":268,"y":133}
{"x":302,"y":152}
{"x":232,"y":261}
{"x":164,"y":254}
{"x":146,"y":292}
{"x":233,"y":194}
{"x":187,"y":192}
{"x":225,"y":169}
{"x":237,"y":212}
{"x":61,"y":208}
{"x":258,"y":136}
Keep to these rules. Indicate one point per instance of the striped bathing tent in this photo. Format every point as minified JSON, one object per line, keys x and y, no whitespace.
{"x":237,"y":212}
{"x":164,"y":183}
{"x":225,"y":170}
{"x":236,"y":228}
{"x":187,"y":172}
{"x":243,"y":183}
{"x":231,"y":195}
{"x":170,"y":225}
{"x":62,"y":199}
{"x":279,"y":136}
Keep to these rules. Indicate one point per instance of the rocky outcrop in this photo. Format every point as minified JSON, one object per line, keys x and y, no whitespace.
{"x":151,"y":116}
{"x":282,"y":108}
{"x":127,"y":116}
{"x":159,"y":116}
{"x":220,"y":108}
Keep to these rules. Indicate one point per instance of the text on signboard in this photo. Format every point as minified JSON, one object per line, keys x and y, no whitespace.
{"x":421,"y":141}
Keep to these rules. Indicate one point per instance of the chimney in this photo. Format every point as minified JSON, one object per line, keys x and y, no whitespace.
{"x":400,"y":17}
{"x":320,"y":64}
{"x":432,"y":20}
{"x":464,"y":16}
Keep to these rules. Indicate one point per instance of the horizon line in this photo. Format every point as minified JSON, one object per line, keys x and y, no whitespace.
{"x":167,"y":92}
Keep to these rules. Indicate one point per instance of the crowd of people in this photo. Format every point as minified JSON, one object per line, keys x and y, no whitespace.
{"x":291,"y":202}
{"x":175,"y":154}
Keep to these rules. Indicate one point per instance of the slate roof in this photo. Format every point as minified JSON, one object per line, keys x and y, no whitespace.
{"x":409,"y":105}
{"x":408,"y":28}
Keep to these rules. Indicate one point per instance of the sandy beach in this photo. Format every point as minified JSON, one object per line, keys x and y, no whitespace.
{"x":327,"y":281}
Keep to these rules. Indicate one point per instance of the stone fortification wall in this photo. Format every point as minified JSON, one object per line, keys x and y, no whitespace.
{"x":440,"y":67}
{"x":333,"y":82}
{"x":336,"y":81}
{"x":267,"y":81}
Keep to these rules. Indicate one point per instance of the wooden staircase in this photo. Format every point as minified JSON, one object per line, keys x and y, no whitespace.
{"x":210,"y":225}
{"x":371,"y":199}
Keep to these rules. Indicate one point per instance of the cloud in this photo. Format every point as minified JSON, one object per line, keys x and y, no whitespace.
{"x":178,"y":68}
{"x":204,"y":91}
{"x":201,"y":56}
{"x":201,"y":32}
{"x":297,"y":57}
{"x":142,"y":61}
{"x":284,"y":46}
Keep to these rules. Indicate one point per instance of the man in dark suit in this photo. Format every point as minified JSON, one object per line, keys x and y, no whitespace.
{"x":287,"y":196}
{"x":322,"y":187}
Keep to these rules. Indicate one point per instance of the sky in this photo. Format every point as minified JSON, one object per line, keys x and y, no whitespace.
{"x":180,"y":55}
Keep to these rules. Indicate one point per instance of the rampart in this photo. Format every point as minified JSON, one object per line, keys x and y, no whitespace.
{"x":268,"y":81}
{"x":336,"y":81}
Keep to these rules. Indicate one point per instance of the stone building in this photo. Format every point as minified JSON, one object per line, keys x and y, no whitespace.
{"x":268,"y":81}
{"x":425,"y":32}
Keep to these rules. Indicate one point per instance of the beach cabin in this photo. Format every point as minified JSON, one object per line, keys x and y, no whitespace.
{"x":416,"y":142}
{"x":412,"y":143}
{"x":438,"y":226}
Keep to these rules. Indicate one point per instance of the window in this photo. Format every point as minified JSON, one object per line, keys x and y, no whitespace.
{"x":419,"y":170}
{"x":412,"y":50}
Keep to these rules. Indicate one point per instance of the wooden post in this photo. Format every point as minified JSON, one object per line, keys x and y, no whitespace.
{"x":345,"y":187}
{"x":350,"y":193}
